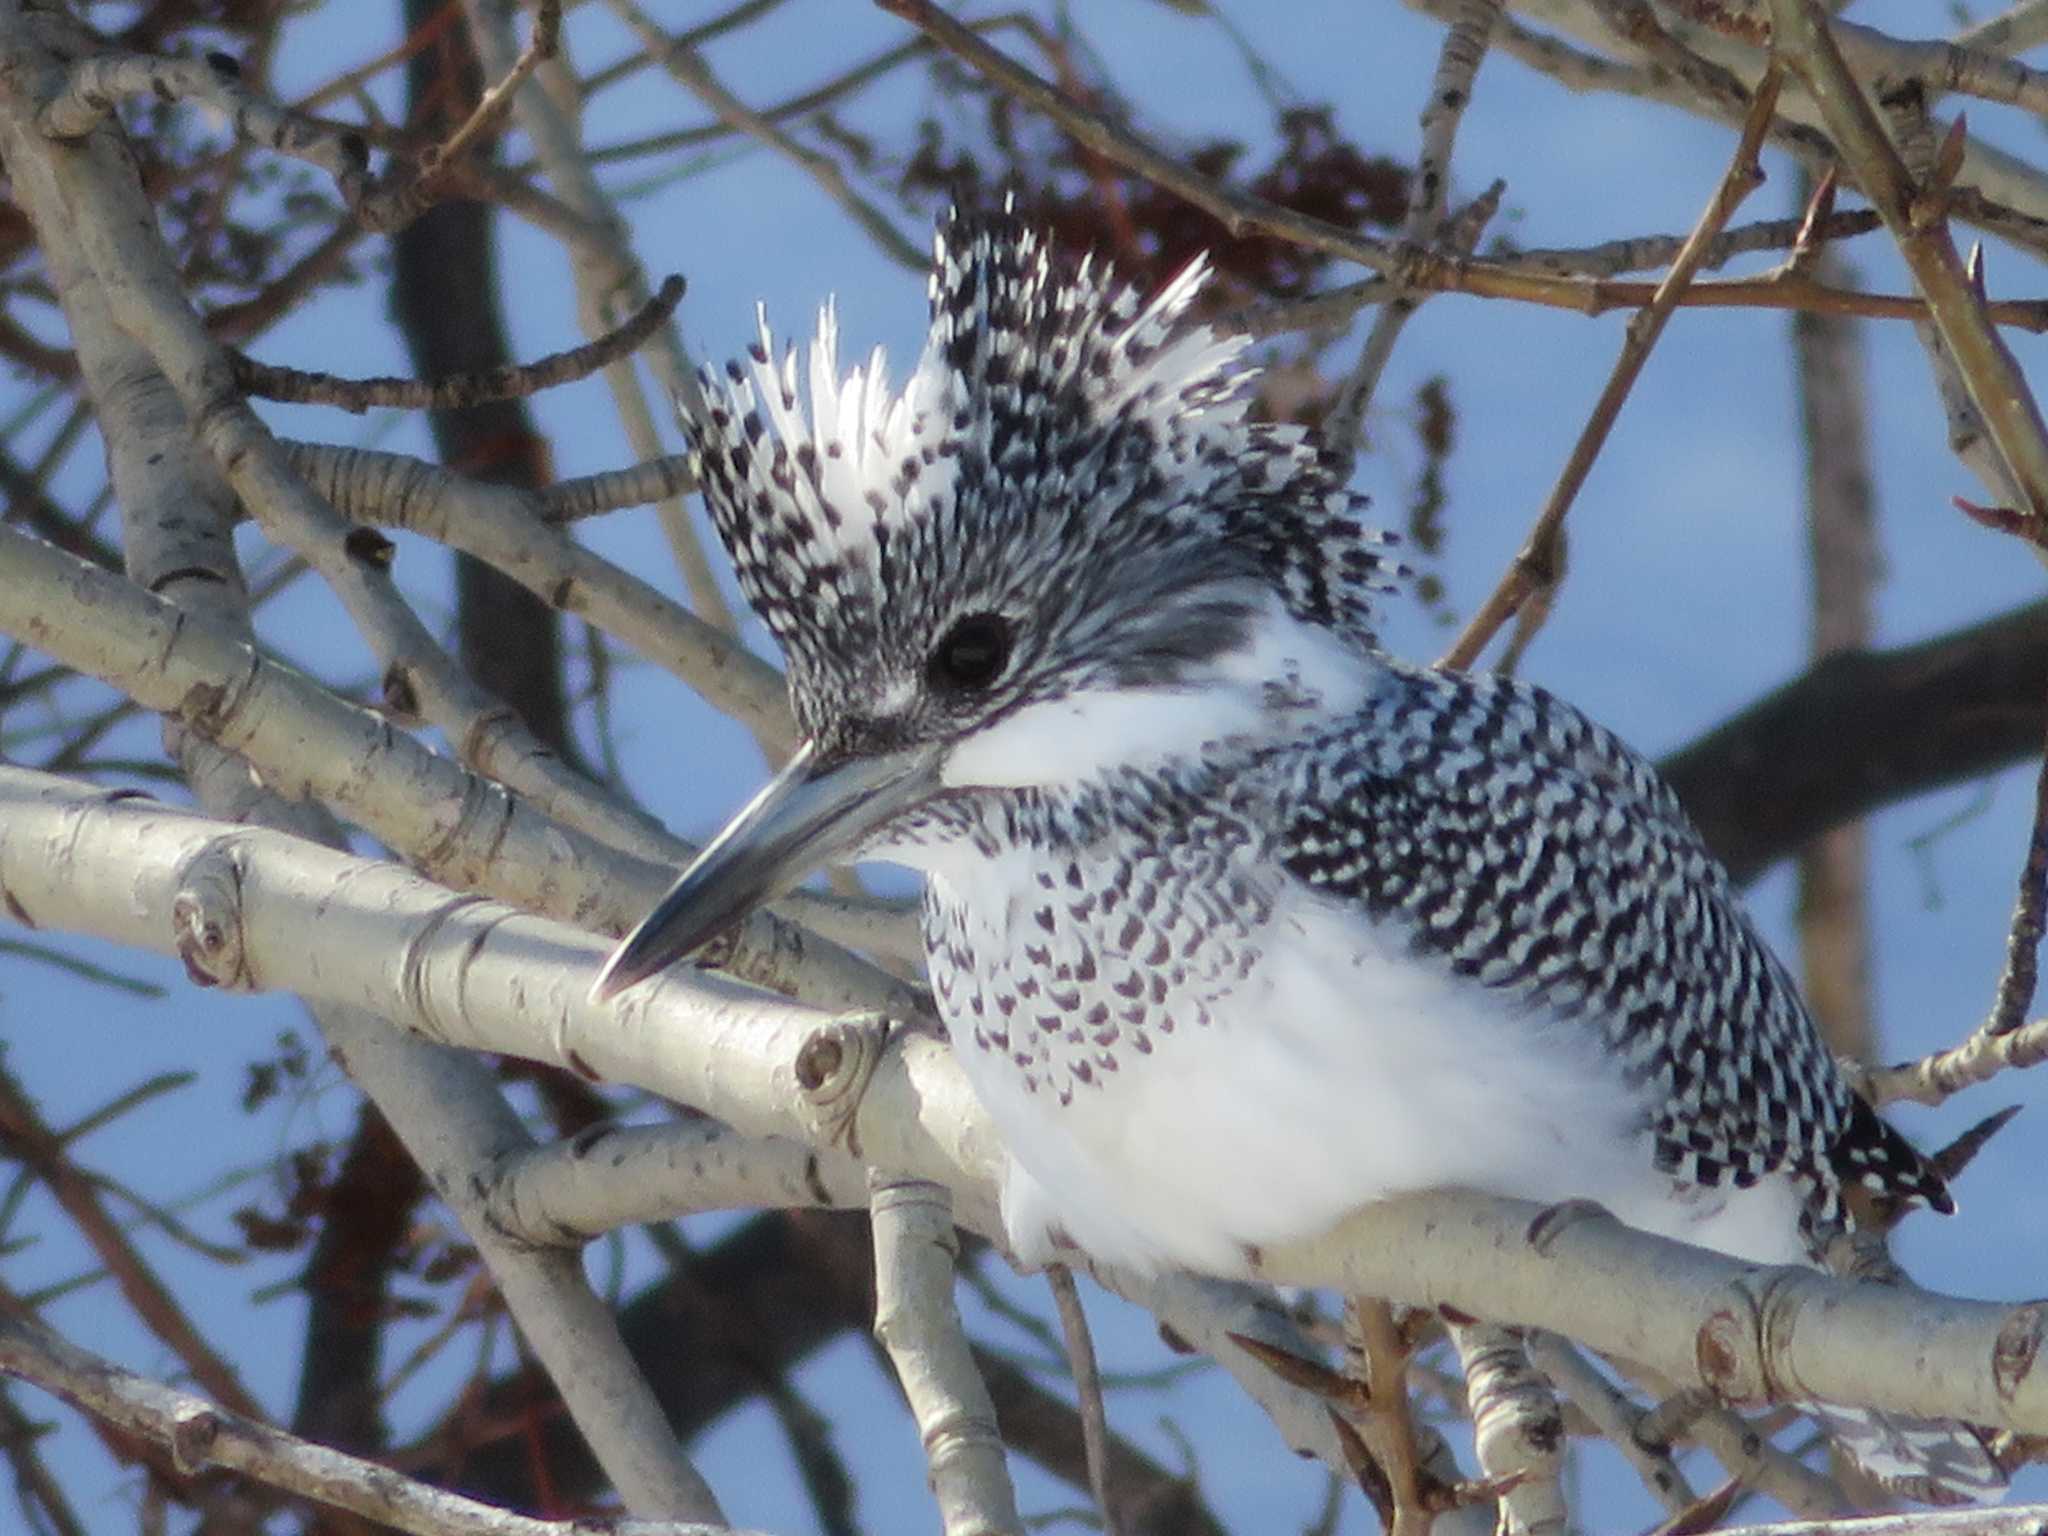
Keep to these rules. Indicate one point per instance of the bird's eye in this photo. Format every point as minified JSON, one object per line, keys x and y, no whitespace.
{"x":972,"y":655}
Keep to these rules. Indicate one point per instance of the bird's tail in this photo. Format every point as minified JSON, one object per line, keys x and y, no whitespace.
{"x":1930,"y":1461}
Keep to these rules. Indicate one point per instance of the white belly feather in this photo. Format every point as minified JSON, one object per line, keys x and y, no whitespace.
{"x":1314,"y":1067}
{"x":1338,"y":1072}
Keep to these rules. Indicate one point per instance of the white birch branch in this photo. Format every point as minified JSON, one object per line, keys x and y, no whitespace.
{"x":917,"y":1322}
{"x":2013,"y":30}
{"x":1517,"y":1428}
{"x":98,"y":83}
{"x":1610,"y":1411}
{"x":462,"y":828}
{"x":1748,"y":1455}
{"x":571,"y":1191}
{"x":444,"y":1105}
{"x":96,"y":184}
{"x":2006,"y":1520}
{"x":610,"y":1176}
{"x":475,"y":974}
{"x":504,"y":526}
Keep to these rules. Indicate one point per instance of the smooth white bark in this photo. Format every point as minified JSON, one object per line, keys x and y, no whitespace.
{"x":476,"y":974}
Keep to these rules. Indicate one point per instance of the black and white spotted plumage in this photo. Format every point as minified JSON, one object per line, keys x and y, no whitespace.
{"x":1535,"y":853}
{"x":1061,"y":449}
{"x":1235,"y":921}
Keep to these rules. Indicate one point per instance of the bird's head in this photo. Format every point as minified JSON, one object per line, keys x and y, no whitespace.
{"x":1064,"y":546}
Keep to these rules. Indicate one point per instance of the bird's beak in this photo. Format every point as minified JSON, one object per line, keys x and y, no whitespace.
{"x":808,"y":813}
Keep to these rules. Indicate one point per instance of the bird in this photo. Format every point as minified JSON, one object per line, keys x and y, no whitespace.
{"x":1235,"y":921}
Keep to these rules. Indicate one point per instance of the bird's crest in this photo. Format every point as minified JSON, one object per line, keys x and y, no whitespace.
{"x":1056,"y":428}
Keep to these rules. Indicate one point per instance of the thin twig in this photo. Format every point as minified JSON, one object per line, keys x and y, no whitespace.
{"x":199,"y":1436}
{"x":33,"y":1481}
{"x":1404,"y":267}
{"x":1534,"y":567}
{"x":419,"y":38}
{"x":1450,"y":91}
{"x":39,"y":1148}
{"x":1780,"y":289}
{"x":272,"y":382}
{"x":800,"y":105}
{"x":1239,"y":212}
{"x":248,"y":317}
{"x":2011,"y":1520}
{"x":743,"y":14}
{"x":1645,"y":253}
{"x":1606,"y":260}
{"x":1703,"y":1513}
{"x":492,"y":106}
{"x":1613,"y":1413}
{"x":1916,"y":212}
{"x":1087,"y":1389}
{"x":687,"y":66}
{"x":567,"y":501}
{"x":391,"y":208}
{"x":1385,"y":1363}
{"x":2004,"y":1040}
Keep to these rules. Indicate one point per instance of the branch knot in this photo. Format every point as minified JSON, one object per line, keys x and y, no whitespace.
{"x":833,"y":1068}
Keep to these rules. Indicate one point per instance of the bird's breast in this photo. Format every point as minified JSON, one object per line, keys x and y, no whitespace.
{"x":1187,"y":1055}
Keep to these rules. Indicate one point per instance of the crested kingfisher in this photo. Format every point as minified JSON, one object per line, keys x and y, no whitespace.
{"x":1235,"y":921}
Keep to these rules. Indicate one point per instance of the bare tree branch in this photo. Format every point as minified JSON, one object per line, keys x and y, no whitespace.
{"x":1861,"y":730}
{"x":918,"y":1324}
{"x":272,"y":382}
{"x":1917,"y":215}
{"x":1539,"y":565}
{"x":1695,"y":1317}
{"x":199,"y":1435}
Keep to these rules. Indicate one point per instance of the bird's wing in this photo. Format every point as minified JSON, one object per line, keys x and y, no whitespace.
{"x":1524,"y":847}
